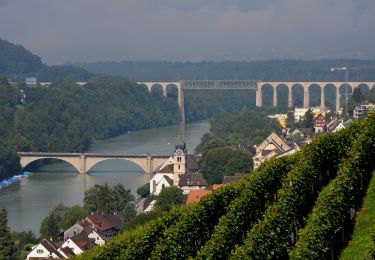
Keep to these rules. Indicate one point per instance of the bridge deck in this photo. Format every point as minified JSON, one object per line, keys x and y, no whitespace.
{"x":99,"y":155}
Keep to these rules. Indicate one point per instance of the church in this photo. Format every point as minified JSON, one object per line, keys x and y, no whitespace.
{"x":181,"y":170}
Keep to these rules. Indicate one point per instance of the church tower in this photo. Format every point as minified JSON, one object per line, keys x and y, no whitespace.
{"x":179,"y":163}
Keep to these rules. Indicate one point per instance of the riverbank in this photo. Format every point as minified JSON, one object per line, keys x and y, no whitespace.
{"x":30,"y":200}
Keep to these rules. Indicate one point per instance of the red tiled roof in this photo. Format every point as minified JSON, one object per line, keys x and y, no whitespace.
{"x":196,"y":195}
{"x":103,"y":222}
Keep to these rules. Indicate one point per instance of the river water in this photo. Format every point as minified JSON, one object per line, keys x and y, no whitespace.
{"x":30,"y":200}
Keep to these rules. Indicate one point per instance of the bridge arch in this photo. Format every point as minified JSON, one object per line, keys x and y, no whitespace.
{"x":141,"y":163}
{"x":73,"y":161}
{"x":171,"y":90}
{"x":363,"y":87}
{"x":297,"y":92}
{"x":330,"y":92}
{"x":267,"y":94}
{"x":282,"y":92}
{"x":315,"y":94}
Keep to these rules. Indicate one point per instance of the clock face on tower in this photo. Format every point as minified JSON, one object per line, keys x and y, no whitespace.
{"x":179,"y":152}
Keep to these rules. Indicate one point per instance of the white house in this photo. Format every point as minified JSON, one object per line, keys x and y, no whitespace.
{"x":78,"y":243}
{"x":97,"y":236}
{"x":45,"y":249}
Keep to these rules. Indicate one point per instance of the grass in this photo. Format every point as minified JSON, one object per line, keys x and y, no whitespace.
{"x":362,"y":244}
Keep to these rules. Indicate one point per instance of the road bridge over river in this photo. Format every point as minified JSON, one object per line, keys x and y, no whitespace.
{"x":83,"y":162}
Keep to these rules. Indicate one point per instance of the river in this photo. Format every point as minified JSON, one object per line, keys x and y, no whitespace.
{"x":30,"y":200}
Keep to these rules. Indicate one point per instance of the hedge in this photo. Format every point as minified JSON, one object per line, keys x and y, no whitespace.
{"x":246,"y":209}
{"x":336,"y":199}
{"x":185,"y":237}
{"x":134,"y":244}
{"x":276,"y":232}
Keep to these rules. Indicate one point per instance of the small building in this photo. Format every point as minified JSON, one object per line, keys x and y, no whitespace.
{"x":44,"y":250}
{"x":192,"y":181}
{"x":30,"y":81}
{"x":272,"y":146}
{"x":320,"y":124}
{"x":361,"y":110}
{"x":335,"y":125}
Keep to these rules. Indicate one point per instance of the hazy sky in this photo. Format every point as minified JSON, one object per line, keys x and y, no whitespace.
{"x":89,"y":30}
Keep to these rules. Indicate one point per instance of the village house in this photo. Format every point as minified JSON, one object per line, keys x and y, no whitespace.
{"x":95,"y":230}
{"x":44,"y":250}
{"x":320,"y":124}
{"x":272,"y":146}
{"x":192,"y":181}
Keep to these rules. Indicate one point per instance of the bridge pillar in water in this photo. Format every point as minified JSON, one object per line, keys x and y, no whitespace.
{"x":82,"y":166}
{"x":149,"y":164}
{"x":165,"y":91}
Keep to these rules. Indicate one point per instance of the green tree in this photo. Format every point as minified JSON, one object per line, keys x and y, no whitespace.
{"x":50,"y":226}
{"x":224,"y":161}
{"x":308,"y":119}
{"x":144,"y":190}
{"x":6,"y":243}
{"x":72,"y":215}
{"x":98,"y":198}
{"x":169,"y":197}
{"x":357,"y":96}
{"x":122,"y":197}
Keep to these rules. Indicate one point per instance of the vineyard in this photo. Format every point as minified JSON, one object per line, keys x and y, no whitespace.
{"x":302,"y":206}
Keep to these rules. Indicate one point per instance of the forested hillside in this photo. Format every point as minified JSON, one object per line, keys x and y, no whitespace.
{"x":67,"y":117}
{"x":299,"y":207}
{"x":16,"y":63}
{"x":271,"y":70}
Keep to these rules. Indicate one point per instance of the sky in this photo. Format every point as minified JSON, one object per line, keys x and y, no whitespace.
{"x":62,"y":31}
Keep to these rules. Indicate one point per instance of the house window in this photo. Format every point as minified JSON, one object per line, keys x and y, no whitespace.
{"x":39,"y":251}
{"x":179,"y":167}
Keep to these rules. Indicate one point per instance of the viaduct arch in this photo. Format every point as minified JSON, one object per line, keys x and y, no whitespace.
{"x":306,"y":91}
{"x":83,"y":162}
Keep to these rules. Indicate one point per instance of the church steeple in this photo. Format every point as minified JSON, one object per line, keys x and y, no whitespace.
{"x":179,"y":163}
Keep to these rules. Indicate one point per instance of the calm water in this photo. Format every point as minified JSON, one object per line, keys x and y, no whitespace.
{"x":30,"y":200}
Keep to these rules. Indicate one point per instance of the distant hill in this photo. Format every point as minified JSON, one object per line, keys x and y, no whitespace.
{"x":16,"y":60}
{"x":278,"y":70}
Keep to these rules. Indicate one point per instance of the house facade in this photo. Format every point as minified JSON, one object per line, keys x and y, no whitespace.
{"x":44,"y":250}
{"x":273,"y":145}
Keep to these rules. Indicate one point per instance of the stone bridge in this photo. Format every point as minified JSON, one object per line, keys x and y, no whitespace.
{"x":83,"y":162}
{"x":258,"y":87}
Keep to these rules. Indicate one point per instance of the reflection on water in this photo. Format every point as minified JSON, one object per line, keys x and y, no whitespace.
{"x":30,"y":200}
